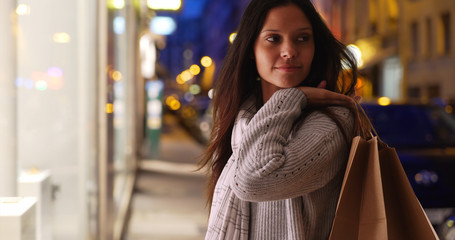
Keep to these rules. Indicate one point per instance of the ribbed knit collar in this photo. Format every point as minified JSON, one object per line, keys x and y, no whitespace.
{"x":246,"y":113}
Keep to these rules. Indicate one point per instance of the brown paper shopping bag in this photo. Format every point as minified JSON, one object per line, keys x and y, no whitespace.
{"x":361,"y":212}
{"x":376,"y":199}
{"x":406,"y":218}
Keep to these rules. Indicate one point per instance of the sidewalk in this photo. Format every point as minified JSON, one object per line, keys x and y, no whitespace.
{"x":169,"y":200}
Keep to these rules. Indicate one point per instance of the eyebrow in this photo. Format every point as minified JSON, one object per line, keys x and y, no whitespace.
{"x":275,"y":30}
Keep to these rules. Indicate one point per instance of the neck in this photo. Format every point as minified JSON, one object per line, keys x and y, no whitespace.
{"x":268,"y":90}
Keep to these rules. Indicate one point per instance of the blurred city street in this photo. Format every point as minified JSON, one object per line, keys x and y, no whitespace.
{"x":106,"y":107}
{"x":169,"y":200}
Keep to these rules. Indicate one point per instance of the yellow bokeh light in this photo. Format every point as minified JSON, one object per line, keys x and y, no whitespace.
{"x":384,"y":101}
{"x":195,"y":69}
{"x":109,"y":108}
{"x":170,"y":98}
{"x":179,"y":79}
{"x":116,"y":4}
{"x":368,"y":49}
{"x":232,"y":37}
{"x":172,"y":5}
{"x":117,"y":76}
{"x":174,"y":105}
{"x":23,"y":9}
{"x":186,"y":75}
{"x":61,"y":37}
{"x":206,"y":61}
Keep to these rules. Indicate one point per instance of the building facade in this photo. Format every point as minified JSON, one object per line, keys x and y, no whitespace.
{"x":427,"y":39}
{"x":407,"y":46}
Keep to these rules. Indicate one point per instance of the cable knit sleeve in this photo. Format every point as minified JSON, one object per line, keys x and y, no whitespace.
{"x":272,"y":165}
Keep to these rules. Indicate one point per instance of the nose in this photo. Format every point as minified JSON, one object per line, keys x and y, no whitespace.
{"x":288,"y":50}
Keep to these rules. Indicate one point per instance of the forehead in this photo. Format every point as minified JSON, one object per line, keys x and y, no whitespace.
{"x":286,"y":16}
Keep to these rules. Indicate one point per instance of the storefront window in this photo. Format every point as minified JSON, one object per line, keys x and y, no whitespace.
{"x":70,"y":69}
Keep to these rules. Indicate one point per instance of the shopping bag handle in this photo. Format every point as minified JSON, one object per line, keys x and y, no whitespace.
{"x":364,"y":127}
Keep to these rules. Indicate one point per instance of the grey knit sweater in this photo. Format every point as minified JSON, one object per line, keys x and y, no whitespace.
{"x":283,"y":179}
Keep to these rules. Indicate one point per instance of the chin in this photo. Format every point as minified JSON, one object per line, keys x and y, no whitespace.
{"x":291,"y":84}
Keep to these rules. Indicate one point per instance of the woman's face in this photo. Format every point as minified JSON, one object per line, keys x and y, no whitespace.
{"x":284,"y":49}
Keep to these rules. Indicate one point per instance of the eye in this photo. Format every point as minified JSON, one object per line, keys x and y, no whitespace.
{"x":272,"y":38}
{"x":304,"y":38}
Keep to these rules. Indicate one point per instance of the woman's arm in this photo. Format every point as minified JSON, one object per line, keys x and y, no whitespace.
{"x":272,"y":166}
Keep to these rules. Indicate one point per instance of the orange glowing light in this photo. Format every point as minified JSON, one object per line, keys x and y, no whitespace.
{"x":109,"y":108}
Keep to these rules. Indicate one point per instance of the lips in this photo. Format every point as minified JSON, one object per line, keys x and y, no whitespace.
{"x":288,"y":68}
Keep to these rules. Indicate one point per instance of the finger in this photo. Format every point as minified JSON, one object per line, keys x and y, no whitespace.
{"x":322,"y":84}
{"x":340,"y":99}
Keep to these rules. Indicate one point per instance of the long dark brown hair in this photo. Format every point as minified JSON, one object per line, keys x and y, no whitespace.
{"x":237,"y":78}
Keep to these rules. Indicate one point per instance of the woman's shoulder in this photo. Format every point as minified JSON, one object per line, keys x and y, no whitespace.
{"x":343,"y":113}
{"x":323,"y":121}
{"x":340,"y":112}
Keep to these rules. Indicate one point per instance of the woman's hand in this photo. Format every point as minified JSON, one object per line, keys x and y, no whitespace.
{"x":320,"y":96}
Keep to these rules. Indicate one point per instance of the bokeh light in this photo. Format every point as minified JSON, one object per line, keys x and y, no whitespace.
{"x":232,"y":37}
{"x":188,"y":54}
{"x":356,"y":53}
{"x":154,"y":123}
{"x":172,"y":102}
{"x":204,"y":126}
{"x":61,"y":37}
{"x":170,"y":98}
{"x":116,"y":4}
{"x":206,"y":61}
{"x":172,"y":5}
{"x":117,"y":75}
{"x":195,"y":69}
{"x":189,"y":97}
{"x":186,"y":75}
{"x":41,"y":85}
{"x":109,"y":108}
{"x":174,"y":105}
{"x":195,"y":89}
{"x":23,"y":9}
{"x":210,"y":93}
{"x":384,"y":101}
{"x":54,"y":72}
{"x":29,"y":83}
{"x":163,"y":25}
{"x":119,"y":25}
{"x":179,"y":79}
{"x":19,"y":82}
{"x":54,"y":78}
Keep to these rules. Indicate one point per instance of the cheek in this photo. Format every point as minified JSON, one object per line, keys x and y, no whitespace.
{"x":264,"y":60}
{"x":309,"y":55}
{"x":308,"y":58}
{"x":261,"y":61}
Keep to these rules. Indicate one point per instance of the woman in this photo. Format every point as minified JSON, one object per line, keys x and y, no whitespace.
{"x":279,"y":145}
